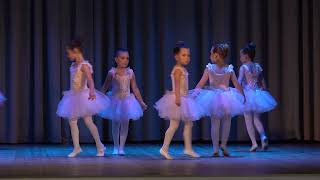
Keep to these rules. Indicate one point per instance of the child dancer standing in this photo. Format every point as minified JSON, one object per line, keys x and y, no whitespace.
{"x":81,"y":101}
{"x":177,"y":105}
{"x":258,"y":100}
{"x":220,"y":101}
{"x":124,"y":105}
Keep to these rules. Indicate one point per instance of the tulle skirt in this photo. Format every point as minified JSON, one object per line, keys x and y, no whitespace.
{"x":221,"y":102}
{"x":189,"y":109}
{"x":75,"y":104}
{"x":259,"y":101}
{"x":123,"y":108}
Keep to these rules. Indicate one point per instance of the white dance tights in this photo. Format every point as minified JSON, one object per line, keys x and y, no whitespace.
{"x":92,"y":128}
{"x":253,"y":120}
{"x":215,"y":132}
{"x":187,"y":135}
{"x":119,"y":134}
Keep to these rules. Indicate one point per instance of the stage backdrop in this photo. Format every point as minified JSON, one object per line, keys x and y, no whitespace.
{"x":34,"y":70}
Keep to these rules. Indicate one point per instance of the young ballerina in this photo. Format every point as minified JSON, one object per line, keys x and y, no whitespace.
{"x":81,"y":101}
{"x":177,"y":105}
{"x":258,"y":100}
{"x":124,"y":105}
{"x":219,"y":100}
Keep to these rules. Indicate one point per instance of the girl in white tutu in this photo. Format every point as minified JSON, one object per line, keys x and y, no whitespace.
{"x":258,"y":100}
{"x":2,"y":99}
{"x":178,"y":105}
{"x":220,"y":101}
{"x":81,"y":101}
{"x":124,"y":105}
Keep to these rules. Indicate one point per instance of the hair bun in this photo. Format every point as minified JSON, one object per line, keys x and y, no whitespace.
{"x":252,"y":45}
{"x":225,"y":45}
{"x":249,"y":49}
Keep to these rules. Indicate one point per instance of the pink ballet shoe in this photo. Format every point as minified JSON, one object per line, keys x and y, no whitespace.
{"x":225,"y":152}
{"x":191,"y":153}
{"x":265,"y":143}
{"x":216,"y":154}
{"x":254,"y":148}
{"x":115,"y":151}
{"x":121,"y":152}
{"x":100,"y":152}
{"x":75,"y":152}
{"x":165,"y":154}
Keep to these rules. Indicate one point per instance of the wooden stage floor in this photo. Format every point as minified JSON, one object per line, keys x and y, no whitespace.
{"x":143,"y":160}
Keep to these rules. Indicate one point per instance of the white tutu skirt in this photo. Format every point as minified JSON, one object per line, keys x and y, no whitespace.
{"x":259,"y":101}
{"x":75,"y":104}
{"x":220,"y":103}
{"x":189,"y":110}
{"x":123,"y":108}
{"x":2,"y":98}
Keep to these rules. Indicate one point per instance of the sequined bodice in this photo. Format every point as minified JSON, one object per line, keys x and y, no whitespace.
{"x":252,"y":72}
{"x":121,"y":83}
{"x":184,"y":83}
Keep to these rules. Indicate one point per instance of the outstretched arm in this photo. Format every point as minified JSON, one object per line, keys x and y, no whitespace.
{"x":203,"y":80}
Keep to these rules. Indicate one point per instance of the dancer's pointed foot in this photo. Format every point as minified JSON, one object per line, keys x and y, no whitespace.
{"x":165,"y":154}
{"x":75,"y":152}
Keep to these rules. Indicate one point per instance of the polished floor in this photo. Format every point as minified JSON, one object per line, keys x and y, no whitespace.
{"x":143,"y":160}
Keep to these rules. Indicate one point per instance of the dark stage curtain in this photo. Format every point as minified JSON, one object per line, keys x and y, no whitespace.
{"x":34,"y":69}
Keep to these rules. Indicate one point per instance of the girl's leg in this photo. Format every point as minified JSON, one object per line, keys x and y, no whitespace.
{"x":115,"y":136}
{"x":124,"y":127}
{"x":187,"y":135}
{"x":259,"y":126}
{"x":215,"y":134}
{"x":251,"y":131}
{"x":174,"y":124}
{"x":226,"y":124}
{"x":95,"y":133}
{"x":75,"y":137}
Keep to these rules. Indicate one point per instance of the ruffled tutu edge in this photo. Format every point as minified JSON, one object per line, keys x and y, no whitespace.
{"x":189,"y":110}
{"x":75,"y":104}
{"x":122,"y":109}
